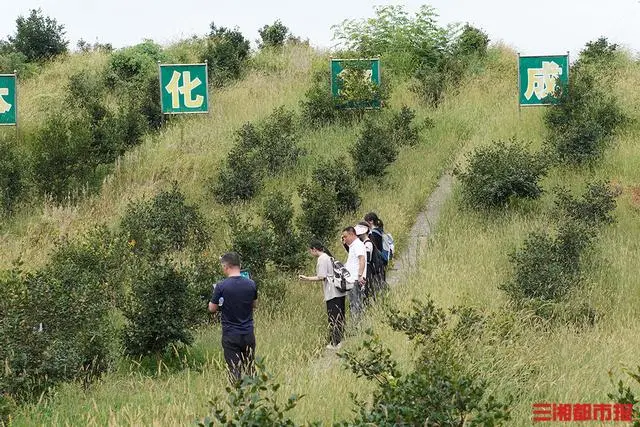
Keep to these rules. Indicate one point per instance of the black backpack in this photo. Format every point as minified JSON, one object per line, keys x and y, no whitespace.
{"x":375,"y":266}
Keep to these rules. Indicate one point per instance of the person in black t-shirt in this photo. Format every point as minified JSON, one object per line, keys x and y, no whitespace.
{"x":236,"y":298}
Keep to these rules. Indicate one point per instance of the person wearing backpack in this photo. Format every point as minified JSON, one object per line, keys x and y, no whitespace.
{"x":375,"y":263}
{"x":333,"y":297}
{"x":381,"y":240}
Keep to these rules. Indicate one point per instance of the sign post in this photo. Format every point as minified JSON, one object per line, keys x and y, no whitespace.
{"x":539,"y":77}
{"x":184,"y":90}
{"x":355,"y":82}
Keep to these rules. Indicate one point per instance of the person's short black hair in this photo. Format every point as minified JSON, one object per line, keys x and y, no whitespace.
{"x":231,"y":259}
{"x":316,"y":244}
{"x":349,"y":229}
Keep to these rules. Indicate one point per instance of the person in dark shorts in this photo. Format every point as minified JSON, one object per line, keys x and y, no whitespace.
{"x":236,"y":298}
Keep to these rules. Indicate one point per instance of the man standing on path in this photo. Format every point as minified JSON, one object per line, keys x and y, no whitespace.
{"x":236,"y":297}
{"x":357,"y":266}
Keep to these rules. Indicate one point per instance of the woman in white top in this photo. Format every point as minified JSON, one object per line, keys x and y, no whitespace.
{"x":334,"y":299}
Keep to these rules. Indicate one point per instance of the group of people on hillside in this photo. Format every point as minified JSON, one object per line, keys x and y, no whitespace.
{"x":366,"y":265}
{"x":236,"y":296}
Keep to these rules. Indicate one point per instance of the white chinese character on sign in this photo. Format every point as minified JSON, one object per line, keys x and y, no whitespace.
{"x":188,"y":85}
{"x":542,"y":81}
{"x":4,"y":105}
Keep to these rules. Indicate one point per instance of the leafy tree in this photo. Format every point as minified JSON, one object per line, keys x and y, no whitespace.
{"x":226,"y":52}
{"x":472,"y":41}
{"x":273,"y":35}
{"x":38,"y":37}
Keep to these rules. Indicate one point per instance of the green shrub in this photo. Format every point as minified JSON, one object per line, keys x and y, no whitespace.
{"x":288,"y":249}
{"x":11,"y":177}
{"x":547,"y":267}
{"x":134,"y":64}
{"x":226,"y":52}
{"x":403,"y":130}
{"x":438,"y":391}
{"x":319,"y":217}
{"x":594,"y":208}
{"x":38,"y":37}
{"x":157,"y":309}
{"x":318,"y":106}
{"x":163,"y":224}
{"x":471,"y":42}
{"x":335,"y":174}
{"x":16,"y":61}
{"x":278,"y":141}
{"x":500,"y":172}
{"x":584,"y":120}
{"x":373,"y":151}
{"x":201,"y":272}
{"x":61,"y":156}
{"x":625,"y":395}
{"x":273,"y":35}
{"x":253,"y":243}
{"x":7,"y":407}
{"x":56,"y":321}
{"x":266,"y":148}
{"x":598,"y":51}
{"x":252,"y":401}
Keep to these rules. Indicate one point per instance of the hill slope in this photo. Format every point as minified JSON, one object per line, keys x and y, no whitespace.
{"x":463,"y":264}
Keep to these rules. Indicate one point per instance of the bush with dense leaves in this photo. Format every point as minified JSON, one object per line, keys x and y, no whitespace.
{"x":548,"y":266}
{"x":318,"y":107}
{"x":498,"y":173}
{"x":438,"y":391}
{"x":60,"y":156}
{"x":55,"y":323}
{"x":266,"y":148}
{"x":471,"y":42}
{"x":402,"y":127}
{"x":251,"y":242}
{"x":593,"y":209}
{"x":38,"y":37}
{"x":287,"y":249}
{"x":583,"y":122}
{"x":252,"y":401}
{"x":319,"y":217}
{"x":163,"y":224}
{"x":374,"y":150}
{"x":337,"y":175}
{"x":226,"y":53}
{"x":156,"y":310}
{"x":273,"y":35}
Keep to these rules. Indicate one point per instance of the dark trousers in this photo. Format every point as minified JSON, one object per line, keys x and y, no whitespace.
{"x":335,"y":313}
{"x":239,"y":351}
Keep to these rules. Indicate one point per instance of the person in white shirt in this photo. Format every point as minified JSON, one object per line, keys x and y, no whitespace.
{"x":357,"y":266}
{"x":332,"y":296}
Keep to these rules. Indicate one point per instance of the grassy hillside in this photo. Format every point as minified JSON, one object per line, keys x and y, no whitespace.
{"x":462,"y":265}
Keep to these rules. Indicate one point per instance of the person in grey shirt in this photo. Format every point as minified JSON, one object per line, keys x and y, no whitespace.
{"x":332,"y":296}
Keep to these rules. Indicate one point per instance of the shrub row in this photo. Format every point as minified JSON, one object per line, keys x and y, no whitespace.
{"x":439,"y":389}
{"x":61,"y":322}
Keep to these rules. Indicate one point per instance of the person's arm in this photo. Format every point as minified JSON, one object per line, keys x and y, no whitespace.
{"x":311,"y":278}
{"x":215,"y":298}
{"x":361,"y":265}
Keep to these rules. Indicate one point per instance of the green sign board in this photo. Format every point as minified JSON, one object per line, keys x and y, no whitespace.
{"x":183,"y":88}
{"x":8,"y":100}
{"x":539,"y":76}
{"x":355,"y":83}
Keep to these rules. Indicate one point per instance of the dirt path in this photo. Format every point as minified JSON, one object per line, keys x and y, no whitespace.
{"x":421,"y":231}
